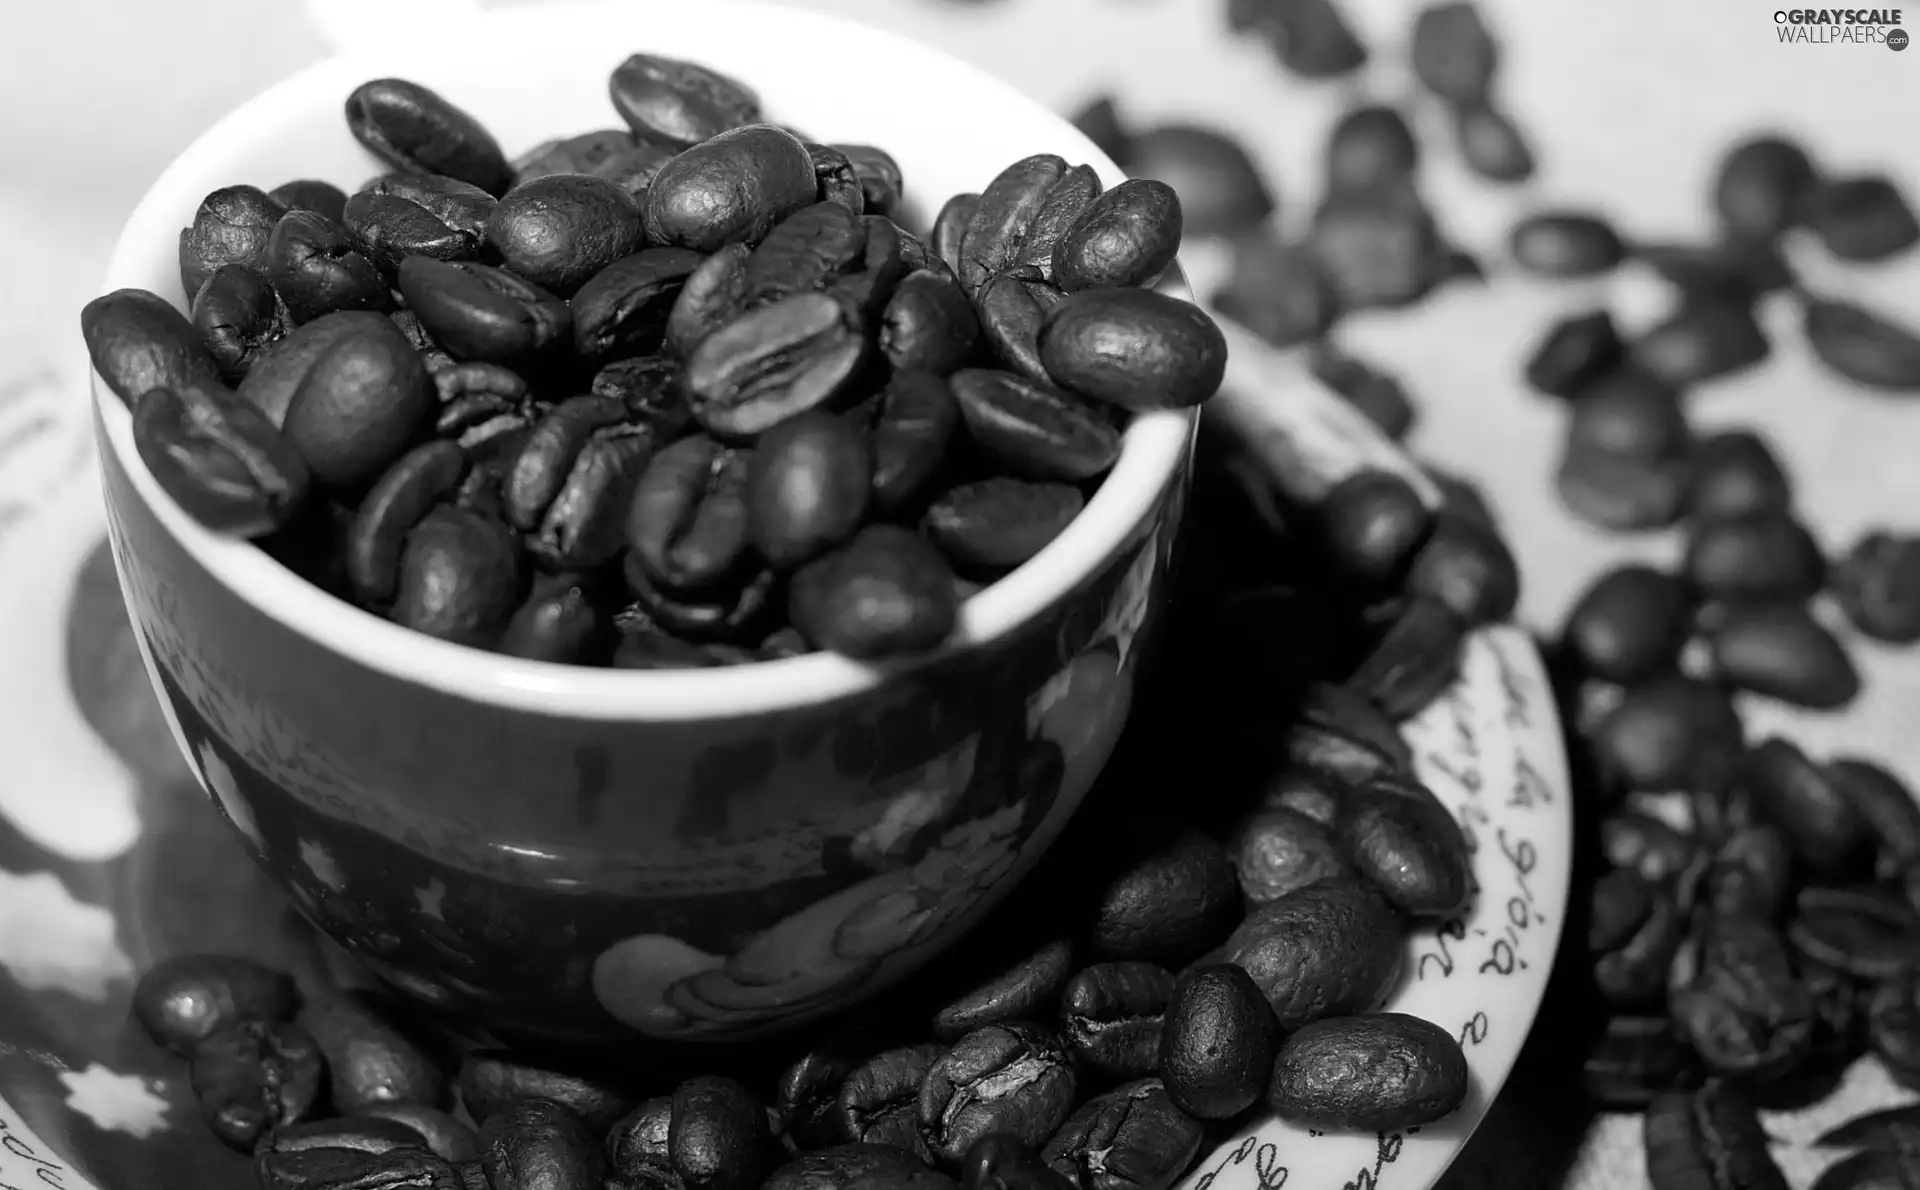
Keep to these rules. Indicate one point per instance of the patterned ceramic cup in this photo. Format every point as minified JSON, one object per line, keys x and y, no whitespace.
{"x":589,"y":855}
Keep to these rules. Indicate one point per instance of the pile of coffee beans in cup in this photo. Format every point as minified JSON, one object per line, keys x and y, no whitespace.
{"x":682,"y":394}
{"x":1202,"y":960}
{"x":1751,"y":913}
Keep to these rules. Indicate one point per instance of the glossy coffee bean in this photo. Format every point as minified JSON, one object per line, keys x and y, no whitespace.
{"x":917,"y":422}
{"x":1877,"y":585}
{"x":1002,"y":1162}
{"x":398,"y":501}
{"x":541,"y":1145}
{"x":1865,"y":933}
{"x":1629,"y":625}
{"x":1370,"y":145}
{"x":950,"y":229}
{"x":369,"y":1060}
{"x":879,"y":1103}
{"x":1399,"y":836}
{"x":1566,"y":244}
{"x":1017,"y":1079}
{"x":1862,"y":218}
{"x":1633,"y":1060}
{"x":415,"y":129}
{"x":805,"y":251}
{"x":1467,"y":567}
{"x":1414,"y":661}
{"x":1829,"y":837}
{"x":1002,"y":216}
{"x":220,"y":459}
{"x":445,"y":1137}
{"x":906,"y":601}
{"x":773,"y":363}
{"x":811,"y":479}
{"x":310,"y":194}
{"x":997,"y":524}
{"x":389,"y":223}
{"x":461,"y":577}
{"x":1138,"y":1120}
{"x":490,"y":1080}
{"x":363,"y":1135}
{"x":1127,"y":236}
{"x":239,"y":316}
{"x":1012,"y":311}
{"x":1371,"y":523}
{"x":251,"y":1077}
{"x":1111,"y":1015}
{"x":734,"y":187}
{"x":712,"y":295}
{"x":1709,"y":1136}
{"x":1737,"y":1000}
{"x":1221,"y":190}
{"x":1066,"y":202}
{"x":1173,"y":896}
{"x":362,"y":403}
{"x":1781,"y":651}
{"x":622,"y":310}
{"x":881,"y":181}
{"x":180,"y":1001}
{"x":398,"y":1169}
{"x":1704,"y":341}
{"x":1280,"y":849}
{"x":316,"y":269}
{"x":582,"y":154}
{"x":1278,"y":291}
{"x":1218,"y":1042}
{"x":689,"y":522}
{"x":1133,"y":348}
{"x":1332,"y":947}
{"x":270,"y":384}
{"x":839,"y":185}
{"x":138,"y":341}
{"x":1491,"y":144}
{"x":1763,"y":186}
{"x":475,"y":312}
{"x":1670,"y":732}
{"x":1381,"y":1073}
{"x":710,"y":1134}
{"x":1035,"y":431}
{"x":677,"y":101}
{"x":557,"y":232}
{"x":1573,"y":353}
{"x":1020,"y":991}
{"x":231,"y":227}
{"x":928,"y":325}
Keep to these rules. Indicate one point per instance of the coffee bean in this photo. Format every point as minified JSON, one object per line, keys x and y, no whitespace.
{"x":310,"y":194}
{"x":1003,"y":1162}
{"x":710,"y":297}
{"x":950,"y":229}
{"x":557,"y":232}
{"x":1218,"y":1042}
{"x":1400,"y":837}
{"x":332,"y":1168}
{"x":1376,"y":394}
{"x":1466,"y":567}
{"x":1012,"y":311}
{"x":1739,"y":271}
{"x":1133,"y":348}
{"x":1573,"y":353}
{"x":274,"y":378}
{"x":773,"y":363}
{"x":1763,"y":186}
{"x":1002,"y":217}
{"x":1016,"y":1079}
{"x":1622,"y":493}
{"x":1372,"y":523}
{"x":1454,"y":54}
{"x":541,"y":1145}
{"x":460,"y":577}
{"x":680,"y":102}
{"x":387,"y":229}
{"x":239,"y":316}
{"x":1654,"y":849}
{"x":1708,"y":1137}
{"x":734,"y":187}
{"x":1020,"y":991}
{"x":1127,"y":236}
{"x":884,"y":593}
{"x":1566,"y":244}
{"x":1131,"y":1138}
{"x":1781,"y":651}
{"x":1737,"y":1001}
{"x":879,"y":1102}
{"x":858,"y":1167}
{"x":1277,"y":291}
{"x":1172,"y":895}
{"x":1736,"y":473}
{"x":479,"y":313}
{"x":398,"y":501}
{"x":1332,"y":947}
{"x":253,"y":1076}
{"x":713,"y":1137}
{"x":839,"y":186}
{"x":1704,"y":341}
{"x":1221,"y":190}
{"x":1893,"y":1025}
{"x":1032,"y":430}
{"x":183,"y":1000}
{"x":1370,"y":145}
{"x":997,"y":524}
{"x":581,"y":154}
{"x":1669,"y":732}
{"x":490,"y":1080}
{"x":623,"y":309}
{"x":220,"y":459}
{"x":917,"y":420}
{"x":317,"y":270}
{"x":1490,"y":143}
{"x":1751,"y":873}
{"x":367,"y":1135}
{"x":560,"y":621}
{"x":1877,"y":585}
{"x":929,"y":325}
{"x":1414,"y":661}
{"x":369,"y":1060}
{"x":1380,"y":1073}
{"x":139,"y":342}
{"x":1895,"y":1164}
{"x":1631,"y":972}
{"x":1376,"y":248}
{"x":1336,"y":755}
{"x":732,"y":614}
{"x":231,"y":227}
{"x":1279,"y":849}
{"x":1862,"y":346}
{"x":1862,"y":218}
{"x":1754,"y":557}
{"x":1629,"y":624}
{"x":1067,"y":202}
{"x":881,"y":182}
{"x":1634,"y":1060}
{"x":361,"y":404}
{"x":688,"y":524}
{"x":414,"y":129}
{"x":1794,"y":794}
{"x":1630,"y":412}
{"x":1863,"y":932}
{"x":1310,"y":38}
{"x":1884,"y":803}
{"x":804,"y":252}
{"x":1872,"y":1130}
{"x":808,"y":488}
{"x":1111,"y":1016}
{"x":444,"y":1136}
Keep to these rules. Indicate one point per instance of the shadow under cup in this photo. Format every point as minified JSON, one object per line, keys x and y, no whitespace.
{"x":571,"y":880}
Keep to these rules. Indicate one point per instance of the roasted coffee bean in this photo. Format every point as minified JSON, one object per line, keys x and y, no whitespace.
{"x":1370,"y":145}
{"x":1278,"y":850}
{"x":997,"y":524}
{"x":689,"y":521}
{"x":455,"y":204}
{"x":1380,"y":1073}
{"x":1877,"y":585}
{"x":1454,"y":53}
{"x":580,"y":154}
{"x":622,"y":311}
{"x":183,"y":1000}
{"x":253,"y":1076}
{"x":1631,"y":413}
{"x":274,"y":378}
{"x":1862,"y":218}
{"x":734,"y":187}
{"x":1738,"y":271}
{"x":868,"y":289}
{"x":1003,"y":1162}
{"x":884,"y":593}
{"x":1737,"y":1000}
{"x":491,"y":1080}
{"x":879,"y":1102}
{"x":1336,"y":755}
{"x":1708,"y":1139}
{"x":881,"y":182}
{"x":387,"y":229}
{"x":540,"y":1145}
{"x":1751,"y":873}
{"x":1669,"y":732}
{"x":1865,"y":933}
{"x":1002,"y":217}
{"x":711,"y":296}
{"x":231,"y":227}
{"x":347,"y":1169}
{"x":1376,"y":248}
{"x":1573,"y":353}
{"x":651,"y":388}
{"x":557,"y":232}
{"x":1221,"y":190}
{"x":239,"y":316}
{"x":1020,"y":991}
{"x":1885,"y":804}
{"x":1467,"y":567}
{"x":804,"y":252}
{"x":220,"y":459}
{"x":1788,"y":790}
{"x":929,"y":325}
{"x":362,"y":403}
{"x":807,"y":489}
{"x":710,"y":1134}
{"x":1631,"y":973}
{"x":1646,"y":844}
{"x":806,"y":1090}
{"x":1012,"y":311}
{"x":1133,"y":348}
{"x":1035,"y":431}
{"x":1704,"y":341}
{"x":316,"y":269}
{"x":1754,"y":557}
{"x":1131,"y":1138}
{"x":1491,"y":145}
{"x":1311,"y":38}
{"x":1277,"y":291}
{"x":1736,"y":473}
{"x":139,"y":342}
{"x":369,"y":1061}
{"x":1015,"y":1079}
{"x":1617,"y":906}
{"x":1127,"y":236}
{"x":679,"y":102}
{"x":839,"y":186}
{"x":1893,"y":1166}
{"x":1781,"y":651}
{"x":858,"y":1167}
{"x":1414,"y":661}
{"x":1566,"y":244}
{"x":917,"y":420}
{"x":1066,"y":202}
{"x":1376,"y":394}
{"x":479,"y":313}
{"x":1111,"y":1015}
{"x":733,"y":614}
{"x":365,"y":1135}
{"x":950,"y":229}
{"x":560,"y":621}
{"x":446,"y":1137}
{"x":1763,"y":186}
{"x":1399,"y":836}
{"x":1372,"y":522}
{"x":773,"y":363}
{"x":1621,"y":493}
{"x":420,"y":479}
{"x":1217,"y":1043}
{"x":1893,"y":1025}
{"x":414,"y":129}
{"x":1633,"y":1060}
{"x":1173,"y":895}
{"x":460,"y":577}
{"x":1872,"y":1130}
{"x":1867,"y":348}
{"x":309,"y":194}
{"x":1330,"y":948}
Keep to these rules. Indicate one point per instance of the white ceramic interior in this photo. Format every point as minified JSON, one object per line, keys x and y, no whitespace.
{"x":532,"y":74}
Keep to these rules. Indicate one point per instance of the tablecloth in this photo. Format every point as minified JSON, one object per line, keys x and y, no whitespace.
{"x":1628,"y":103}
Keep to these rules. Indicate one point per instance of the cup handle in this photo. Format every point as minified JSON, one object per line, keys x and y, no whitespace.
{"x":346,"y":25}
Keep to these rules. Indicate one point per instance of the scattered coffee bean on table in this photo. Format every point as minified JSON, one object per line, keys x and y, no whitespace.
{"x":682,"y":394}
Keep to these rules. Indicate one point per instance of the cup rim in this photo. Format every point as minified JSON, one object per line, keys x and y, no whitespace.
{"x":1153,"y":446}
